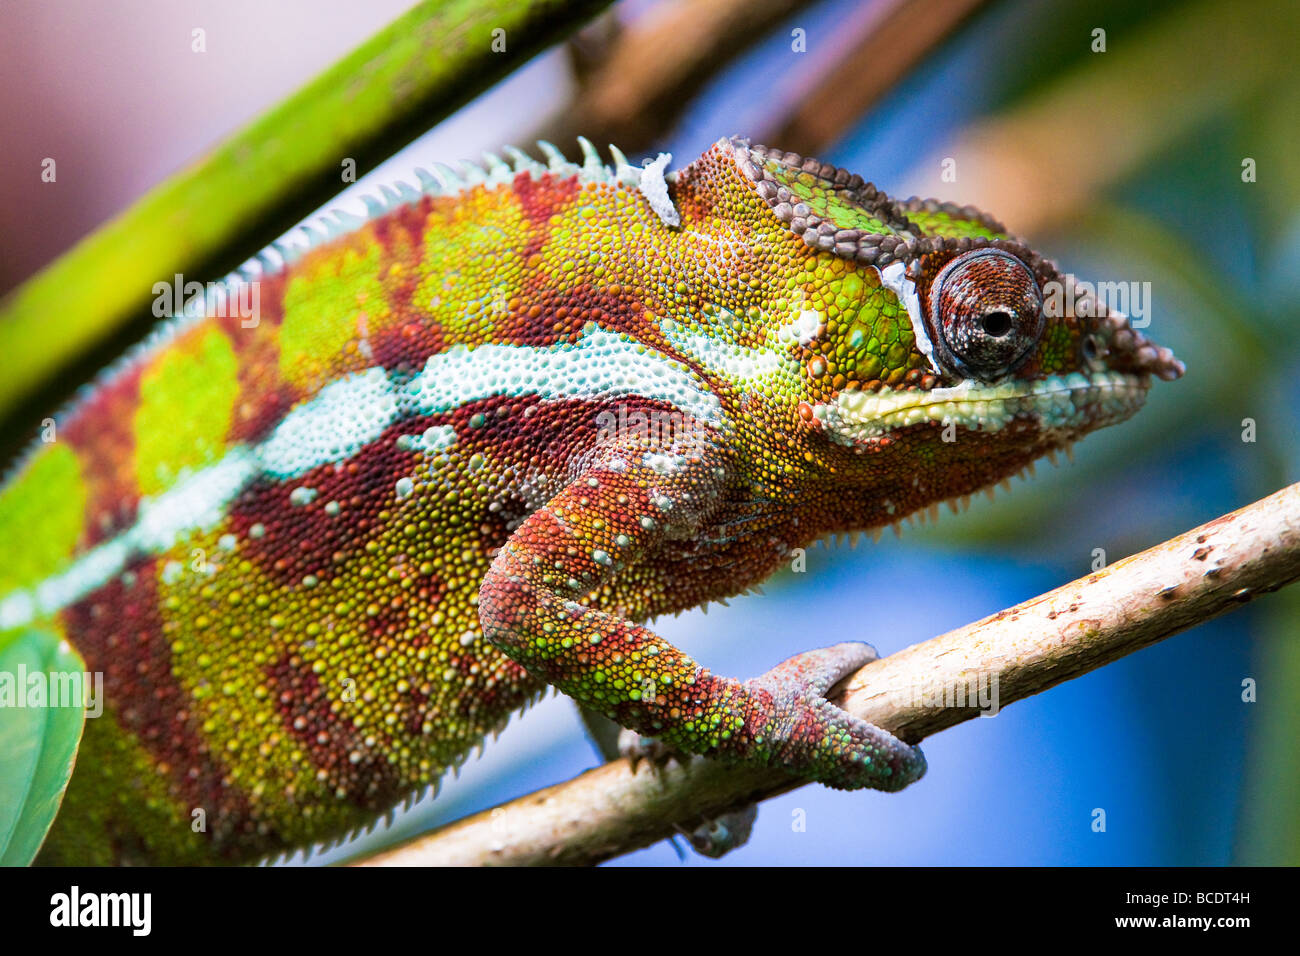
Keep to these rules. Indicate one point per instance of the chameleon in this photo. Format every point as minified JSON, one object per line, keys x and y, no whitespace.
{"x":474,"y":443}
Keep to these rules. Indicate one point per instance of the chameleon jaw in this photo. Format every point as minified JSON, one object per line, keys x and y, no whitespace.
{"x":1076,"y":402}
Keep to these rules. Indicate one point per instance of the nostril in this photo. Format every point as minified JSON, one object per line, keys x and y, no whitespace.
{"x":1090,"y":348}
{"x":996,"y":323}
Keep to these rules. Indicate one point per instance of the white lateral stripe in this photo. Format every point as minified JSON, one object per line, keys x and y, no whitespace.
{"x":196,"y":503}
{"x":738,"y":363}
{"x":345,"y":415}
{"x":802,"y":328}
{"x":602,"y":364}
{"x":338,"y":422}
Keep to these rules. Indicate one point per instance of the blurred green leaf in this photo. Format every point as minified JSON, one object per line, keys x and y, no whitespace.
{"x":37,"y":746}
{"x":1269,"y":833}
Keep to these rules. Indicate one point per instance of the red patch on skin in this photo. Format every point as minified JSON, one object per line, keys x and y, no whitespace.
{"x":548,"y":435}
{"x":264,"y":396}
{"x":120,"y":633}
{"x":526,"y":430}
{"x":418,"y":714}
{"x":303,"y":539}
{"x":403,"y":226}
{"x":388,"y":622}
{"x":546,"y":316}
{"x":392,"y":620}
{"x":701,"y":186}
{"x":268,"y":312}
{"x":410,"y":336}
{"x":255,"y":420}
{"x":331,"y":742}
{"x":100,"y":432}
{"x":408,"y":345}
{"x":540,"y":199}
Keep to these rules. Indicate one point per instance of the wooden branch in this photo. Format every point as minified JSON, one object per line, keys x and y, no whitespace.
{"x":1028,"y":648}
{"x":634,"y":82}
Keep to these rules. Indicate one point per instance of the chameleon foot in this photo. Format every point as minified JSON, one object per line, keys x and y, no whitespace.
{"x":713,"y":838}
{"x":719,"y":836}
{"x":805,"y":732}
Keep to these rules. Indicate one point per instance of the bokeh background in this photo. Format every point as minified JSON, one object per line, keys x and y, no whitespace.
{"x":1123,"y":164}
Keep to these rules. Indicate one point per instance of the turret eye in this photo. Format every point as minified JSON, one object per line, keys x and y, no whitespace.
{"x":988,"y":312}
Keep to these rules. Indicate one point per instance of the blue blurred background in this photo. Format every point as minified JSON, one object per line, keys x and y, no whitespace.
{"x":1125,"y":164}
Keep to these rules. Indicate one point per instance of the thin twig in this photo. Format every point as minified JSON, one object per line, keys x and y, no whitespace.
{"x":1028,"y":648}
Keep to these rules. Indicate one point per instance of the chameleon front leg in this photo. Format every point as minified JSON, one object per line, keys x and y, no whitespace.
{"x":596,"y":531}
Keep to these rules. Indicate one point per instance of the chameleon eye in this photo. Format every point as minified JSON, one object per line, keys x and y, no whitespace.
{"x":988,"y":312}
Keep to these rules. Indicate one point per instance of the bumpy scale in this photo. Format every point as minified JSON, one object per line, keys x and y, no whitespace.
{"x":470,"y":445}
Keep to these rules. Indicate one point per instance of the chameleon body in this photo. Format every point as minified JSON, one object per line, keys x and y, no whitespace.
{"x":472,"y":444}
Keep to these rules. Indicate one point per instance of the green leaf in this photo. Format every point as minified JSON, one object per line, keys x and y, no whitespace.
{"x":38,"y":745}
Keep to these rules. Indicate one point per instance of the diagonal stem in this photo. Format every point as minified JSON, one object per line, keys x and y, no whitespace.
{"x":205,"y":219}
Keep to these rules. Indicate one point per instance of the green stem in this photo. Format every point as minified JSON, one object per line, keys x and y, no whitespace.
{"x":209,"y":217}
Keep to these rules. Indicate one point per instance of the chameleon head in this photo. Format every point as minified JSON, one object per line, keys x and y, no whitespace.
{"x":999,"y":352}
{"x":943,"y":345}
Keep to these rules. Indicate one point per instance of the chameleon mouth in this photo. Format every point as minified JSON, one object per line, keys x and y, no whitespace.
{"x":1077,"y":402}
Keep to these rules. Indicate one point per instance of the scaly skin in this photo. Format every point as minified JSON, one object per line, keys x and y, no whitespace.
{"x":472,"y":444}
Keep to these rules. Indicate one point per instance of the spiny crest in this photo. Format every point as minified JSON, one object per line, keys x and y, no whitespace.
{"x":442,"y":180}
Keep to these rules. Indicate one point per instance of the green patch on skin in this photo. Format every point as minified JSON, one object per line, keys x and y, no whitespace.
{"x":871,"y":346}
{"x":42,"y":513}
{"x":831,"y":205}
{"x":235,"y":711}
{"x":1057,"y":348}
{"x":942,"y":224}
{"x":851,"y":290}
{"x":473,"y":257}
{"x":323,"y":308}
{"x":122,"y":784}
{"x":563,"y":255}
{"x":187,"y":400}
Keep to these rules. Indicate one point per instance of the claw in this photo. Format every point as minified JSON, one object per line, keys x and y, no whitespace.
{"x":635,"y":748}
